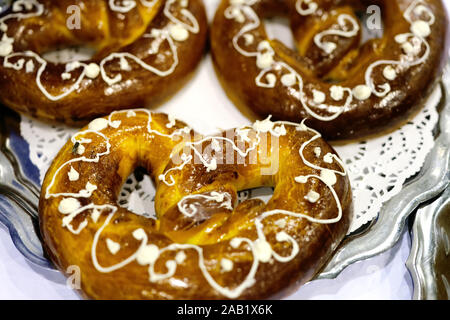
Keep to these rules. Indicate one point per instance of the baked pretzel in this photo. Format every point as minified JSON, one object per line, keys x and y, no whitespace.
{"x":203,"y":245}
{"x":144,"y":51}
{"x":344,"y":89}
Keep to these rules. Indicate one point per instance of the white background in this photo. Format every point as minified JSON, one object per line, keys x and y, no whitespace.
{"x":203,"y":104}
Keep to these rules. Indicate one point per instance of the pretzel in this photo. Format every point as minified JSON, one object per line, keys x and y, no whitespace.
{"x":203,"y":244}
{"x":345,"y":90}
{"x":144,"y":51}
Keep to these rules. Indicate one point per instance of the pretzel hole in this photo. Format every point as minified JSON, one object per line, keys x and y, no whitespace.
{"x":138,"y":194}
{"x":69,"y":54}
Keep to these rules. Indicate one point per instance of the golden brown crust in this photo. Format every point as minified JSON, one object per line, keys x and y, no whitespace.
{"x":108,"y":32}
{"x":346,"y":66}
{"x":209,"y":233}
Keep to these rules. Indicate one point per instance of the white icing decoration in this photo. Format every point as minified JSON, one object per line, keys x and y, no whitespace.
{"x":68,"y":205}
{"x":281,"y":223}
{"x":337,"y":93}
{"x":249,"y":39}
{"x":112,"y":246}
{"x":178,"y":32}
{"x":288,"y":80}
{"x":311,"y":7}
{"x":98,"y":124}
{"x":92,"y":70}
{"x":5,"y":48}
{"x":180,"y":257}
{"x":128,"y":5}
{"x":224,"y":198}
{"x":362,"y":92}
{"x":389,"y":73}
{"x":226,"y":265}
{"x":328,"y":177}
{"x":312,"y":196}
{"x":65,"y":75}
{"x":29,"y":67}
{"x":263,"y":250}
{"x":421,"y":29}
{"x":317,"y":151}
{"x":318,"y":96}
{"x":328,"y":158}
{"x":73,"y":174}
{"x":342,"y":20}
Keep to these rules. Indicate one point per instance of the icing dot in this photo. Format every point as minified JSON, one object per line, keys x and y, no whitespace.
{"x":73,"y":174}
{"x":389,"y":73}
{"x":95,"y":215}
{"x":301,"y":179}
{"x":282,"y":236}
{"x":328,"y":158}
{"x":329,"y":47}
{"x":139,"y":234}
{"x":280,"y":131}
{"x":263,"y":250}
{"x":5,"y":48}
{"x":92,"y":70}
{"x":124,"y":65}
{"x":280,"y":223}
{"x":421,"y":29}
{"x":271,"y":79}
{"x":115,"y":124}
{"x":249,"y":39}
{"x":66,"y":76}
{"x":112,"y":246}
{"x":408,"y":48}
{"x":312,"y":196}
{"x":318,"y":96}
{"x":337,"y":93}
{"x":264,"y":60}
{"x":29,"y":67}
{"x":180,"y":257}
{"x":401,"y":38}
{"x":362,"y":92}
{"x":98,"y":124}
{"x":69,"y":205}
{"x":328,"y":176}
{"x":263,"y":126}
{"x":226,"y":265}
{"x":317,"y":151}
{"x":147,"y":254}
{"x":288,"y":80}
{"x":235,"y":242}
{"x":178,"y":32}
{"x":80,"y":149}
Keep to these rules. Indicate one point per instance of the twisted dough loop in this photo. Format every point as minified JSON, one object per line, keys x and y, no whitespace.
{"x":143,"y":54}
{"x":344,"y":89}
{"x":202,"y":245}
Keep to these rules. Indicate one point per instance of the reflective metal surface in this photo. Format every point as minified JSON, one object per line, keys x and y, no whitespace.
{"x":429,"y":260}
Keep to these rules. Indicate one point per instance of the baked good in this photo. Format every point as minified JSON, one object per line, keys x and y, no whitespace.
{"x":345,"y":89}
{"x":203,"y":245}
{"x":144,"y":51}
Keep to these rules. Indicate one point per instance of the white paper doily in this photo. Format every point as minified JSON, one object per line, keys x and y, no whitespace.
{"x":377,"y":167}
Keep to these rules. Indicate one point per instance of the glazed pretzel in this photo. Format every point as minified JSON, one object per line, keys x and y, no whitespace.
{"x":203,"y":245}
{"x":144,"y":51}
{"x":344,"y":89}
